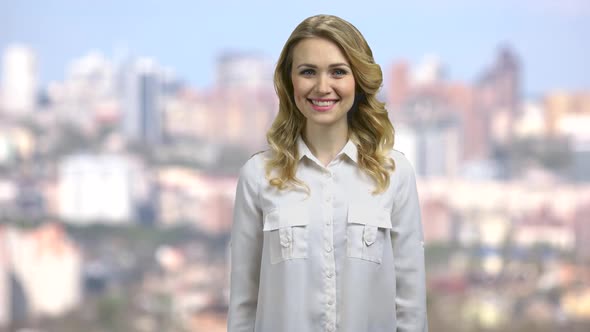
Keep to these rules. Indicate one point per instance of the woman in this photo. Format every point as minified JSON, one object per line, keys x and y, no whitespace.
{"x":327,"y":233}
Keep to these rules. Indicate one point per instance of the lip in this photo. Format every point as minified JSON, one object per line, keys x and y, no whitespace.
{"x":322,"y":108}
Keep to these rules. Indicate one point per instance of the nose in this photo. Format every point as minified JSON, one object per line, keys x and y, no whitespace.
{"x":323,"y":84}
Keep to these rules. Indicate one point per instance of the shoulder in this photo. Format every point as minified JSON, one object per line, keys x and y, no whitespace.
{"x":403,"y":178}
{"x":403,"y":168}
{"x":253,"y":168}
{"x":403,"y":175}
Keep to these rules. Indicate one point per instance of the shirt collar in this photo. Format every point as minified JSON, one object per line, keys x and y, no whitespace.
{"x":349,"y":150}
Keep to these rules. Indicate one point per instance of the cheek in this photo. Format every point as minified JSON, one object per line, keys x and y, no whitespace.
{"x":351,"y":85}
{"x":298,"y":88}
{"x":347,"y":89}
{"x":298,"y":93}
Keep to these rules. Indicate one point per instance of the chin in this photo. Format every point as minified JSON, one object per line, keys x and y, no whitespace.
{"x":324,"y":122}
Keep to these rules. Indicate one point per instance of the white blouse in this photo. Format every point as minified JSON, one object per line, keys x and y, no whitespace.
{"x":338,"y":259}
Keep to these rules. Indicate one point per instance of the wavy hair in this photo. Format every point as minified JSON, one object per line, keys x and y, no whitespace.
{"x":369,"y":126}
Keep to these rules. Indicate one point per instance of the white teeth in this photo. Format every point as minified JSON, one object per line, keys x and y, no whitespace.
{"x":323,"y":102}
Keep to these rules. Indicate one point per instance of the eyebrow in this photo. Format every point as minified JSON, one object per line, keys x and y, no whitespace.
{"x":340,"y":64}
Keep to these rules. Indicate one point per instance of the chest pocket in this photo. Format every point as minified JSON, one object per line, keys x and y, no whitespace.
{"x":286,"y":232}
{"x":368,"y":228}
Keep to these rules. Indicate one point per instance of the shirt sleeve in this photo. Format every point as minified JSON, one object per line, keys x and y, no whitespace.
{"x":245,"y":252}
{"x":408,"y":251}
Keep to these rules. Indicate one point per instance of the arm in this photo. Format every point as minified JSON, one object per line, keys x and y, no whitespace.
{"x":246,"y":251}
{"x":408,"y":251}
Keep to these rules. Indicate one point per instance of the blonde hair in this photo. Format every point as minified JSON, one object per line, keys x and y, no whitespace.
{"x":369,"y":125}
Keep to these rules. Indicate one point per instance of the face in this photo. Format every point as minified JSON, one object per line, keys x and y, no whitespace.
{"x":323,"y":84}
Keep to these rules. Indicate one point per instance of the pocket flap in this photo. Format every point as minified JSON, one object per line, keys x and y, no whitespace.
{"x":365,"y":214}
{"x":286,"y":216}
{"x":369,"y":235}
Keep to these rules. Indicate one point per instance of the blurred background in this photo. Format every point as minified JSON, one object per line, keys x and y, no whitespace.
{"x":123,"y":125}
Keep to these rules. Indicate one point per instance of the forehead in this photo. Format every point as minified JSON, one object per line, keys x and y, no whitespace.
{"x":317,"y":51}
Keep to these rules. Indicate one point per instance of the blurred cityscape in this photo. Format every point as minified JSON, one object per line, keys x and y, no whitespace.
{"x":117,"y":187}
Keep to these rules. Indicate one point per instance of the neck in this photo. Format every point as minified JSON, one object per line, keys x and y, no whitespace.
{"x":325,"y":142}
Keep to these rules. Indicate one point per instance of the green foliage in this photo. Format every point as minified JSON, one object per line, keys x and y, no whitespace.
{"x":110,"y":312}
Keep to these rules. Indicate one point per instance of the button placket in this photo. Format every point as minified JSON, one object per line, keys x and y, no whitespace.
{"x":328,"y":245}
{"x":328,"y":216}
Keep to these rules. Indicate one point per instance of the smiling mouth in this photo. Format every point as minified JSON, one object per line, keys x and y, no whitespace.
{"x":322,"y":103}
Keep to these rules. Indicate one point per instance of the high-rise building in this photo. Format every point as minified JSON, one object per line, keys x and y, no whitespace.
{"x":244,"y":120}
{"x":437,"y":131}
{"x":88,"y":87}
{"x":423,"y":94}
{"x":438,"y":149}
{"x":142,"y":101}
{"x":502,"y":82}
{"x":243,"y":71}
{"x":484,"y":113}
{"x":19,"y":80}
{"x":497,"y":101}
{"x":244,"y":101}
{"x":399,"y":86}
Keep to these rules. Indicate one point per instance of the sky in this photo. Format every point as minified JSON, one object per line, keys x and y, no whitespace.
{"x":551,"y":37}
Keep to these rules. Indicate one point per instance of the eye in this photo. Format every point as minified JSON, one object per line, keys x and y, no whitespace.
{"x":307,"y":72}
{"x":339,"y":72}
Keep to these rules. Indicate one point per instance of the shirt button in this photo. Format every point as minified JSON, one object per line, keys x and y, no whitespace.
{"x":285,"y":243}
{"x":330,"y":301}
{"x":329,"y":274}
{"x":330,"y":328}
{"x":328,"y":248}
